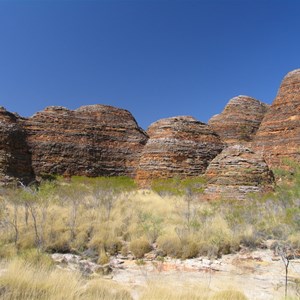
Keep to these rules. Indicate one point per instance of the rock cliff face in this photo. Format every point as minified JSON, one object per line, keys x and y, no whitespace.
{"x":279,"y":133}
{"x":94,"y":140}
{"x":239,"y":120}
{"x":178,"y":146}
{"x":101,"y":140}
{"x":15,"y":159}
{"x":235,"y":172}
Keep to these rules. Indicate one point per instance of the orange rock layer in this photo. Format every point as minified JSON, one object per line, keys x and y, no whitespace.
{"x":240,"y":119}
{"x":177,"y":147}
{"x":279,"y":134}
{"x":96,"y":140}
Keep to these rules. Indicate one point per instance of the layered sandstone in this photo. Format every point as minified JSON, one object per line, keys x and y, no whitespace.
{"x":177,"y":147}
{"x":96,"y":140}
{"x":237,"y":171}
{"x":279,"y":134}
{"x":240,"y":119}
{"x":15,"y":159}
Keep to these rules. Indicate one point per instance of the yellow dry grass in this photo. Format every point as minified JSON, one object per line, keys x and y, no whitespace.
{"x":24,"y":281}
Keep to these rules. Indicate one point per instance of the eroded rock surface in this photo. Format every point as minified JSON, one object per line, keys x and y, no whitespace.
{"x":15,"y":159}
{"x":259,"y":274}
{"x":95,"y":140}
{"x":240,"y":119}
{"x":237,"y":171}
{"x":279,"y":134}
{"x":178,"y":146}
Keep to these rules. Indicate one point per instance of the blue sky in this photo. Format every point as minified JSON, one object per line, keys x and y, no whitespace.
{"x":156,"y":58}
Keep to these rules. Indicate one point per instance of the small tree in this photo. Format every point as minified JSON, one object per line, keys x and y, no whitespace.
{"x":187,"y":188}
{"x":106,"y":191}
{"x":8,"y":219}
{"x":36,"y":200}
{"x":73,"y":193}
{"x":286,"y":253}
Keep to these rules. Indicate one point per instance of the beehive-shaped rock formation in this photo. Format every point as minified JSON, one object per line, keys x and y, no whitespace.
{"x":239,"y":120}
{"x":15,"y":160}
{"x":279,"y":134}
{"x":96,"y":140}
{"x":235,"y":172}
{"x":178,"y":146}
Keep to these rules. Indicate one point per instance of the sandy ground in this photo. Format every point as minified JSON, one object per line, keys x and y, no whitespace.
{"x":259,"y":274}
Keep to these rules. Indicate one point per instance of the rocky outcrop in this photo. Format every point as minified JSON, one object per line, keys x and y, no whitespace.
{"x":15,"y":159}
{"x":279,"y":134}
{"x":178,"y":147}
{"x":240,"y":119}
{"x":96,"y":140}
{"x":235,"y":172}
{"x":100,"y":140}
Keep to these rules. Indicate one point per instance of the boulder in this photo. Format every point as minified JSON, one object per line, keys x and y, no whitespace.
{"x":240,"y":119}
{"x":236,"y":172}
{"x":177,"y":147}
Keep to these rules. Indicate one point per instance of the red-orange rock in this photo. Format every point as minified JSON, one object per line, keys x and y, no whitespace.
{"x":178,"y":147}
{"x":279,"y":134}
{"x":237,"y":171}
{"x":96,"y":140}
{"x":239,"y":120}
{"x":15,"y":159}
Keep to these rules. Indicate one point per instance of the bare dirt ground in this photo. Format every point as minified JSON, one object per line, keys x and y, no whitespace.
{"x":259,"y":274}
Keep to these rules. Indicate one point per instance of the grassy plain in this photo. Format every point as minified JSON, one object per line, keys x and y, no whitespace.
{"x":110,"y":216}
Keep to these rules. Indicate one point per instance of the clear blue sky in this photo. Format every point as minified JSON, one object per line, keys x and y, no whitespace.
{"x":156,"y":58}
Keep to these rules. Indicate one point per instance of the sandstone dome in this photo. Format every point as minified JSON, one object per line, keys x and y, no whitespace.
{"x":279,"y":134}
{"x":15,"y":159}
{"x":177,"y":147}
{"x":95,"y":140}
{"x":240,"y":119}
{"x":237,"y":171}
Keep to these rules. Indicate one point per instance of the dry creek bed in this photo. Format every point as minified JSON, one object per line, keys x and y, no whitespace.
{"x":260,"y":274}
